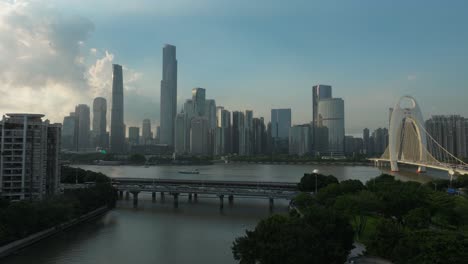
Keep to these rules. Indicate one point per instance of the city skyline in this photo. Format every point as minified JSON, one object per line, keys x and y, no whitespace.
{"x":375,"y":66}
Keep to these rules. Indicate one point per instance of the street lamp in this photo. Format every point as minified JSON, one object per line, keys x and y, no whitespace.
{"x":316,"y":172}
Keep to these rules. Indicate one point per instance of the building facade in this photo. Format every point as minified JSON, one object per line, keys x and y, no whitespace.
{"x":82,"y":128}
{"x":117,"y":132}
{"x":199,"y":136}
{"x":68,"y":132}
{"x":331,"y":115}
{"x":280,"y":125}
{"x":168,"y":106}
{"x":299,"y":140}
{"x":134,"y":136}
{"x":100,"y":123}
{"x":451,"y":132}
{"x":146,"y":135}
{"x":29,"y":165}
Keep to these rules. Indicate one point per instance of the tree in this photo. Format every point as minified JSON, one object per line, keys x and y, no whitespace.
{"x":321,"y":236}
{"x":386,"y":237}
{"x":358,"y":207}
{"x":307,"y":183}
{"x":328,"y":194}
{"x":137,"y":159}
{"x":418,"y":218}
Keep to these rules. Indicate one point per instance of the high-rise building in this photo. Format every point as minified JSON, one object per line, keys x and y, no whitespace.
{"x":100,"y":122}
{"x":248,"y":131}
{"x":379,"y":141}
{"x":168,"y":95}
{"x":83,"y":127}
{"x":451,"y":132}
{"x":180,"y":139}
{"x":134,"y":135}
{"x":331,"y":115}
{"x":241,"y":133}
{"x":199,"y":136}
{"x":259,"y":136}
{"x":223,"y":132}
{"x":280,"y":125}
{"x":146,"y":132}
{"x":210,"y":113}
{"x":353,"y":146}
{"x":299,"y":140}
{"x":117,"y":132}
{"x":199,"y":101}
{"x":236,"y":120}
{"x":68,"y":132}
{"x":366,"y":141}
{"x":319,"y":92}
{"x":29,"y":164}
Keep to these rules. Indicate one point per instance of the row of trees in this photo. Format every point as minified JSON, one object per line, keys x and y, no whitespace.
{"x":20,"y":219}
{"x":406,"y":222}
{"x":293,"y":158}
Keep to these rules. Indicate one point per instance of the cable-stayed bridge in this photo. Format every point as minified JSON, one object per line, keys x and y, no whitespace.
{"x":410,"y":143}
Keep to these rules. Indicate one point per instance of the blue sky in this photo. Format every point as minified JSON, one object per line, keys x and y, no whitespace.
{"x":264,"y":54}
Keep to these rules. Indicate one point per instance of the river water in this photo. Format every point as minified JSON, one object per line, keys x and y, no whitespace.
{"x":195,"y":233}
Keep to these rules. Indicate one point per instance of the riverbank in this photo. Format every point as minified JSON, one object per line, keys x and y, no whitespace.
{"x":17,"y":245}
{"x":324,"y":163}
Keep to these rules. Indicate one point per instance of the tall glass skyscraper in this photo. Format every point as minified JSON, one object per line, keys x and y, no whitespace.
{"x":83,"y":126}
{"x":319,"y":92}
{"x":331,"y":115}
{"x":168,"y":95}
{"x":117,"y":136}
{"x":99,"y":122}
{"x":280,"y":125}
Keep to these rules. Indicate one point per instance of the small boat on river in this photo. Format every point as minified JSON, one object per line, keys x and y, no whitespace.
{"x":194,"y":171}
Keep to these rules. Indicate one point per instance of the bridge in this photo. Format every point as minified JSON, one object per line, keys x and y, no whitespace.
{"x":411,"y":144}
{"x":221,"y":189}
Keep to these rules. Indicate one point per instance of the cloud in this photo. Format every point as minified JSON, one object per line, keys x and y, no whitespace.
{"x":46,"y":66}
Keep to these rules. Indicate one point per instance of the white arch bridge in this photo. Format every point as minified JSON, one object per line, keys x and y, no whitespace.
{"x":410,"y":143}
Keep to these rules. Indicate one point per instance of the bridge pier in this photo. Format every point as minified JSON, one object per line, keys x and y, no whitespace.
{"x":176,"y":200}
{"x":231,"y":200}
{"x":195,"y":197}
{"x":135,"y":199}
{"x":221,"y":202}
{"x":127,"y":195}
{"x":271,"y":204}
{"x":153,"y":196}
{"x":190,"y":197}
{"x":121,"y":195}
{"x":162,"y":197}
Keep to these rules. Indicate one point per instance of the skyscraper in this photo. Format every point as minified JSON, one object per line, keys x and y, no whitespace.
{"x":280,"y":125}
{"x":331,"y":114}
{"x":68,"y":132}
{"x":146,"y":132}
{"x":236,"y":120}
{"x":168,"y":95}
{"x":199,"y":101}
{"x":451,"y":132}
{"x":199,"y":136}
{"x":83,"y":127}
{"x":248,"y":131}
{"x":366,"y":141}
{"x":100,"y":122}
{"x":299,"y":140}
{"x":117,"y":136}
{"x":134,"y":135}
{"x":319,"y":92}
{"x":181,"y":137}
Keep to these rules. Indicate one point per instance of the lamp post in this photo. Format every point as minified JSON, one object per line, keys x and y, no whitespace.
{"x":316,"y":172}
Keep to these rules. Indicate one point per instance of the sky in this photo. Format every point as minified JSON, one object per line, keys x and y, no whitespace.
{"x":248,"y":55}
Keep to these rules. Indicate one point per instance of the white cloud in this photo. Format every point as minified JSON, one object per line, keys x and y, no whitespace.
{"x":45,"y":64}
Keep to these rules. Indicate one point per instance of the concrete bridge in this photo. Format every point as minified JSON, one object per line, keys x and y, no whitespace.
{"x":221,"y":189}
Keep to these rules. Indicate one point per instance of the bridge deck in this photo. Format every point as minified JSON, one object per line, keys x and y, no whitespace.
{"x":438,"y":166}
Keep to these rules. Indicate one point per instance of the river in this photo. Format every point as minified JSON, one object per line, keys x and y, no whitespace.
{"x":195,"y":233}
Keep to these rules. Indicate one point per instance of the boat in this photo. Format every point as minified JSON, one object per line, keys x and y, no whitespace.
{"x":195,"y":171}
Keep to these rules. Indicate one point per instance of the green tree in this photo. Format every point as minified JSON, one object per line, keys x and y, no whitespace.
{"x":386,"y":237}
{"x":137,"y":159}
{"x":321,"y":236}
{"x":419,"y":218}
{"x":307,"y":183}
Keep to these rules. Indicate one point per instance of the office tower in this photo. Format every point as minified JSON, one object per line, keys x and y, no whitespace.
{"x":366,"y":141}
{"x":248,"y":131}
{"x":353,"y":146}
{"x":29,"y":162}
{"x":241,"y":134}
{"x":280,"y":125}
{"x":331,"y":115}
{"x":189,"y":109}
{"x":379,"y":141}
{"x":236,"y":119}
{"x":181,"y":137}
{"x":319,"y":92}
{"x":199,"y":101}
{"x":134,"y":135}
{"x":199,"y":136}
{"x":157,"y":137}
{"x":259,"y":136}
{"x":168,"y":95}
{"x":146,"y":132}
{"x":223,"y":132}
{"x":100,"y":122}
{"x":299,"y":140}
{"x":450,"y":132}
{"x":117,"y":132}
{"x":68,"y":132}
{"x":210,"y":113}
{"x":83,"y":127}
